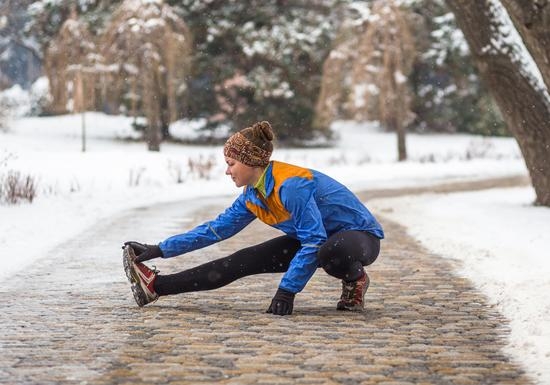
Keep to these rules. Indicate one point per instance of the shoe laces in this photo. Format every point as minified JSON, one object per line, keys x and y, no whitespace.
{"x":348,"y":289}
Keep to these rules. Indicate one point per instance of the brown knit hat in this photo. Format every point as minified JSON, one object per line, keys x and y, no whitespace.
{"x":251,"y":146}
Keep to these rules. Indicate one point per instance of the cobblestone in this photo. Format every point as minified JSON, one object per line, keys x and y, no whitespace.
{"x":71,"y":319}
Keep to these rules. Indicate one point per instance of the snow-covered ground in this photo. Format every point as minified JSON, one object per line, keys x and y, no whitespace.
{"x":498,"y":234}
{"x":502,"y":242}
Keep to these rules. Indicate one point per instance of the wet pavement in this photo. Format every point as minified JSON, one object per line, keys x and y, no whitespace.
{"x":71,"y":318}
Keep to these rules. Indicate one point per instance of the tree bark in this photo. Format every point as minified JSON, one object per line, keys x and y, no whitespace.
{"x":525,"y":107}
{"x":532,"y":20}
{"x":152,"y":110}
{"x":401,"y":142}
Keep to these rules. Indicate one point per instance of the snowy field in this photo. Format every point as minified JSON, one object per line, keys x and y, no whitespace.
{"x":497,"y":234}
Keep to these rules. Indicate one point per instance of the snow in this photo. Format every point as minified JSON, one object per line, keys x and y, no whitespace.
{"x":506,"y":40}
{"x":363,"y":12}
{"x":17,"y":100}
{"x":501,"y":242}
{"x":446,"y":39}
{"x":498,"y":239}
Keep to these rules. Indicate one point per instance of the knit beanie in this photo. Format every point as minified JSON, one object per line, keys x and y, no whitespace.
{"x":251,"y":146}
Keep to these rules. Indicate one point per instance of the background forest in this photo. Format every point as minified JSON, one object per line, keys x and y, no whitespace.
{"x":297,"y":63}
{"x":409,"y":64}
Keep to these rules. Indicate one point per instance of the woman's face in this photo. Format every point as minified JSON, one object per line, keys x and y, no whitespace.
{"x":240,"y":173}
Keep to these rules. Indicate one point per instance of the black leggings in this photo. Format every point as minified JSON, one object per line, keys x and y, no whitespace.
{"x":342,"y":256}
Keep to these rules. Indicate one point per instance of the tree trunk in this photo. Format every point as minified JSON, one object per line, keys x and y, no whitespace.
{"x":152,"y":111}
{"x":532,"y":20}
{"x":171,"y":95}
{"x":401,"y":142}
{"x":525,"y":107}
{"x":164,"y":116}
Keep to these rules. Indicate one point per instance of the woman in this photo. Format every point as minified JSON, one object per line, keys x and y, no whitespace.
{"x":325,"y":225}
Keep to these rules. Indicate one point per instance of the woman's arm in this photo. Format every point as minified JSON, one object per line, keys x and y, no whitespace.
{"x":230,"y":222}
{"x":297,"y":194}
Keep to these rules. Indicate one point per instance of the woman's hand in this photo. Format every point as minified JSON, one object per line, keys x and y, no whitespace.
{"x":282,"y":303}
{"x":144,"y":252}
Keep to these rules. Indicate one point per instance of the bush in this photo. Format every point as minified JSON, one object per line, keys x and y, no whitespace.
{"x":4,"y":114}
{"x":15,"y":188}
{"x":202,"y":167}
{"x":134,"y":178}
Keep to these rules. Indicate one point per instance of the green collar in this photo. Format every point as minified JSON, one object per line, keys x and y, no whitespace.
{"x":260,"y":184}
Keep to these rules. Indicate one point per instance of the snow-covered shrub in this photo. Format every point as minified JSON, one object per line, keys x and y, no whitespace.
{"x":479,"y":149}
{"x":3,"y":116}
{"x":134,"y":177}
{"x":4,"y":158}
{"x":175,"y":170}
{"x":15,"y":187}
{"x":15,"y":101}
{"x":202,"y":167}
{"x":39,"y":96}
{"x":197,"y":131}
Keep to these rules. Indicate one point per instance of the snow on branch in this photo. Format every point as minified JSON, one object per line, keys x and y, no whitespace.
{"x":505,"y":40}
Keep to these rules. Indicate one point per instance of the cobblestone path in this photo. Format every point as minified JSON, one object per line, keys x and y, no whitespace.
{"x":71,"y":319}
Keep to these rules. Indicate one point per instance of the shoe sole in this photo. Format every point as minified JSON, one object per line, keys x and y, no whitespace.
{"x":359,"y":308}
{"x":133,"y":278}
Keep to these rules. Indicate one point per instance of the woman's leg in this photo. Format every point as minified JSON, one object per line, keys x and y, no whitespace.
{"x":273,"y":256}
{"x":344,"y":254}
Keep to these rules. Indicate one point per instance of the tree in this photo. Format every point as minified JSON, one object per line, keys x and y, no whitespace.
{"x":522,"y":97}
{"x":448,"y":93}
{"x":19,"y":56}
{"x":259,"y":60}
{"x":149,"y":45}
{"x":389,"y":52}
{"x":334,"y":100}
{"x":366,"y":74}
{"x":532,"y":20}
{"x":72,"y":49}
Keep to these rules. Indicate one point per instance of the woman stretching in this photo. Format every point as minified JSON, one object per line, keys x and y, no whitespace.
{"x":324,"y":223}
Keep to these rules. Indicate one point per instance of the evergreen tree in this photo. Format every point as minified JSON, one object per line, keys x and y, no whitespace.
{"x":450,"y":96}
{"x":20,"y":55}
{"x":259,"y":60}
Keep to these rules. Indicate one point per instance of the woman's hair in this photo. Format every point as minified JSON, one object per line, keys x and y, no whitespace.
{"x":260,"y":134}
{"x":251,"y":146}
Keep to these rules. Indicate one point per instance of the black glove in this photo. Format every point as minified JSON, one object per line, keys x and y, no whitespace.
{"x":144,"y":252}
{"x":282,"y":303}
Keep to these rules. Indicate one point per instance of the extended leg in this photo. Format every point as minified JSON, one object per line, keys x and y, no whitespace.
{"x":273,"y":256}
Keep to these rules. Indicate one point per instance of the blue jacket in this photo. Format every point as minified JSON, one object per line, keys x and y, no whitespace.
{"x":305,"y":204}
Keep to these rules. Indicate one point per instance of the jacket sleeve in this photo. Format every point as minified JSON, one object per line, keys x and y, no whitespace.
{"x":227,"y":224}
{"x":297,"y":194}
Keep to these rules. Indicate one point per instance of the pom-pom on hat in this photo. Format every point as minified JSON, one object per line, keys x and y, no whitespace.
{"x":251,"y":146}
